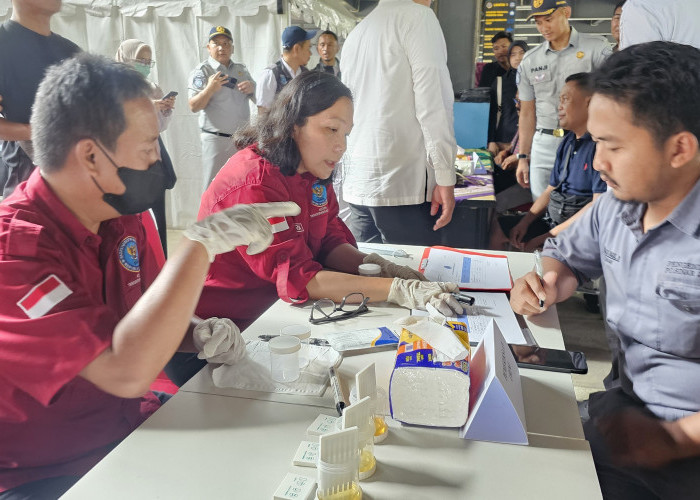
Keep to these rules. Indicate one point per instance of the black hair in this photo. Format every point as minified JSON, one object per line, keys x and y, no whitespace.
{"x":583,"y":81}
{"x":78,"y":98}
{"x":618,"y":5}
{"x":329,"y":32}
{"x":660,"y":93}
{"x":306,"y":95}
{"x":502,"y":34}
{"x":518,"y":43}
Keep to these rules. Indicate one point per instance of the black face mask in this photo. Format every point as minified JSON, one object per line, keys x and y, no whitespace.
{"x":143,"y":187}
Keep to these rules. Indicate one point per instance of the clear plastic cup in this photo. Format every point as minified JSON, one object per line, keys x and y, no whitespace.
{"x":303,"y":333}
{"x":372,"y":270}
{"x":284,"y":358}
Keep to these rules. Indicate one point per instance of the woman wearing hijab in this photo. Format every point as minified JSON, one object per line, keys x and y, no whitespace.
{"x":139,"y":55}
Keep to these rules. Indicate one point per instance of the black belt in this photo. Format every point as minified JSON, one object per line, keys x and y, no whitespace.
{"x":557,"y":132}
{"x":220,"y":134}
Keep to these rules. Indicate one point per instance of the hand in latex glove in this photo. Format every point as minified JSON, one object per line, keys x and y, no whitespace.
{"x":416,"y":294}
{"x":219,"y":340}
{"x":391,"y":270}
{"x":239,"y":225}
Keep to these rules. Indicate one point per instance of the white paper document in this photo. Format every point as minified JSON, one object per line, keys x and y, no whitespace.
{"x":488,"y":306}
{"x":471,"y":270}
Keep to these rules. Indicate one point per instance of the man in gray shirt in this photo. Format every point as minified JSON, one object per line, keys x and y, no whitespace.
{"x":220,"y":90}
{"x":643,"y":235}
{"x":541,"y":77}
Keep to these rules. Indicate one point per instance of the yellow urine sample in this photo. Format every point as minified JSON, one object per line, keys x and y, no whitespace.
{"x":367,"y":461}
{"x":380,"y":426}
{"x":352,"y":493}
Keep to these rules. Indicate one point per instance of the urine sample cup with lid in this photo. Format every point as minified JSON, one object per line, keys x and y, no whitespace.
{"x":303,"y":333}
{"x":284,"y":358}
{"x":371,"y":270}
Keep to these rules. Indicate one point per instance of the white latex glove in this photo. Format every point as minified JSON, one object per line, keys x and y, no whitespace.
{"x":219,"y":340}
{"x":239,"y":225}
{"x":416,"y":294}
{"x":391,"y":270}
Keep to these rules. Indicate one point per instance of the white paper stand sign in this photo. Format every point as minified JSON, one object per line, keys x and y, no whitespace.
{"x":496,"y":410}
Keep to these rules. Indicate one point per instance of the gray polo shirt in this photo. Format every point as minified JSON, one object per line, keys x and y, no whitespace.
{"x":543,"y":71}
{"x":228,"y":109}
{"x":653,"y":301}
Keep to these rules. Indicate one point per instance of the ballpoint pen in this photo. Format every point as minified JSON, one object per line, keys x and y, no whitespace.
{"x":337,"y":394}
{"x":464,"y":298}
{"x":312,"y":340}
{"x":538,"y":269}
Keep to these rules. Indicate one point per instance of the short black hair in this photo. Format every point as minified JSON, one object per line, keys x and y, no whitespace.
{"x":306,"y":95}
{"x":328,"y":32}
{"x":81,"y":97}
{"x":660,"y":92}
{"x":502,"y":34}
{"x":584,"y":81}
{"x":618,"y":5}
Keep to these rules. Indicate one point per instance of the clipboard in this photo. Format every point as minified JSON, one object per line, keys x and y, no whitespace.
{"x":472,"y":270}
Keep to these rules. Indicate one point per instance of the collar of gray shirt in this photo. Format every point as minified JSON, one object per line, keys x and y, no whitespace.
{"x":573,"y":41}
{"x":684,"y":216}
{"x":218,"y":66}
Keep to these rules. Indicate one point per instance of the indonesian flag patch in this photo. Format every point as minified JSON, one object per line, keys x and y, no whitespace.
{"x":44,"y":296}
{"x":278,"y":224}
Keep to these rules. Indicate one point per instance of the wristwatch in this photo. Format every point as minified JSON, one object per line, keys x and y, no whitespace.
{"x":523,"y":156}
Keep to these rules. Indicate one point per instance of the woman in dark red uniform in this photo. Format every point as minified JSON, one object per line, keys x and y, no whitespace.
{"x":291,"y":154}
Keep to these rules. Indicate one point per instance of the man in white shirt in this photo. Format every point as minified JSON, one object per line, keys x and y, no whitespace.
{"x":650,"y":20}
{"x":399,"y":165}
{"x":296,"y":52}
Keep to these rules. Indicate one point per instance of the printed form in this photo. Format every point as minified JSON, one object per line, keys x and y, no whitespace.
{"x":471,"y":270}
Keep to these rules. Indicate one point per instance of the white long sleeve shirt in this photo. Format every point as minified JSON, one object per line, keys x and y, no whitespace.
{"x":402,"y":143}
{"x":669,"y":20}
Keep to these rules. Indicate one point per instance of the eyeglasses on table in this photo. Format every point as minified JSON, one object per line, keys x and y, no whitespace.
{"x":327,"y":311}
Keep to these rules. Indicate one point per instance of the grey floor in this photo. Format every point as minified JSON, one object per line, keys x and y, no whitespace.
{"x":583,"y":331}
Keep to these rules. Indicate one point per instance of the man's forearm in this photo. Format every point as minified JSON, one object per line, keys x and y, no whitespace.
{"x":566,"y":283}
{"x":13,"y":131}
{"x":200,"y":101}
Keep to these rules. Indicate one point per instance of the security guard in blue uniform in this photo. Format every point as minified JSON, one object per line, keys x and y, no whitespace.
{"x":220,"y":90}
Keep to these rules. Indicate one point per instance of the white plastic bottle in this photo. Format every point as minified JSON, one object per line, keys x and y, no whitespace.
{"x":338,"y":466}
{"x":366,"y":386}
{"x":359,"y":415}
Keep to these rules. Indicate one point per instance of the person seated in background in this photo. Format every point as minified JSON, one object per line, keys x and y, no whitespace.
{"x":574,"y":184}
{"x":85,"y":324}
{"x":290,"y":155}
{"x":500,"y":42}
{"x":503,"y":115}
{"x":642,"y":236}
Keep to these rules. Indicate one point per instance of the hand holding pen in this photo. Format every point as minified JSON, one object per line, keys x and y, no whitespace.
{"x":540,"y":274}
{"x":530,"y":293}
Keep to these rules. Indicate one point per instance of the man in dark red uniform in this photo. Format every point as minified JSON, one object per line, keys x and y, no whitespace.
{"x":86,"y":321}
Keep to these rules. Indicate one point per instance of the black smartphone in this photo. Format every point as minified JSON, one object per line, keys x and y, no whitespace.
{"x":170,"y":94}
{"x":231,"y":83}
{"x":539,"y":358}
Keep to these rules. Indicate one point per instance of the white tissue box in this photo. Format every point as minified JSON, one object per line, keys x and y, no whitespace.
{"x":424,"y":391}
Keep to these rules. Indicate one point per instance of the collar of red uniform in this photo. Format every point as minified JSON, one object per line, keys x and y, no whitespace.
{"x":39,"y":190}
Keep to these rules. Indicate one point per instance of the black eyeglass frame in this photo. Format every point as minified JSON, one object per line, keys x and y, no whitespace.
{"x":329,"y":318}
